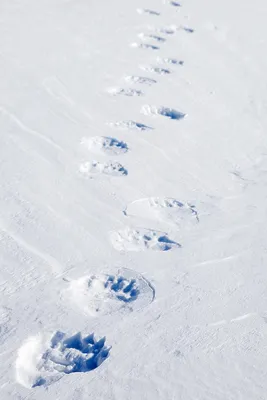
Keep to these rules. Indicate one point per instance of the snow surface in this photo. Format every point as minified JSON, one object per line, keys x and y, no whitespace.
{"x":105,"y":156}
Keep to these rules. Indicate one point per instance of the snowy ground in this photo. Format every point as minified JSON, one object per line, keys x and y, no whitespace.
{"x":133,"y":186}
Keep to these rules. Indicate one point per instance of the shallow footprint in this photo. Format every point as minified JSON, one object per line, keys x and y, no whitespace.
{"x":130,"y":125}
{"x":172,"y":61}
{"x":145,"y":46}
{"x":105,"y":144}
{"x":142,"y":80}
{"x":129,"y":239}
{"x":125,"y":92}
{"x":188,"y":30}
{"x":168,"y":30}
{"x":165,"y":209}
{"x":44,"y":359}
{"x":112,"y":168}
{"x":162,"y":111}
{"x":145,"y":37}
{"x":147,"y":11}
{"x":175,"y":4}
{"x":106,"y":294}
{"x":155,"y":70}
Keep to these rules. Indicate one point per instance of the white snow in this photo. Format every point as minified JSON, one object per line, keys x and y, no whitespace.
{"x":133,"y":183}
{"x":107,"y":294}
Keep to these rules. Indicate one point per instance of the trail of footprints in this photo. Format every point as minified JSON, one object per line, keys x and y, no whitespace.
{"x":44,"y":359}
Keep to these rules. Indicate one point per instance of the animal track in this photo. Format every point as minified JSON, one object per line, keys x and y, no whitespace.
{"x":168,"y":30}
{"x":163,"y":111}
{"x":165,"y":209}
{"x":140,"y":79}
{"x":43,"y":360}
{"x":175,"y":4}
{"x":105,"y":144}
{"x":188,"y":30}
{"x":156,"y":70}
{"x":129,"y":239}
{"x":144,"y":46}
{"x":108,"y":168}
{"x":131,"y":125}
{"x":106,"y":294}
{"x":147,"y":11}
{"x":172,"y":61}
{"x":125,"y":92}
{"x":145,"y":36}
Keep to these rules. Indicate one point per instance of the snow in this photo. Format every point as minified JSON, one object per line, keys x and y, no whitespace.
{"x":132,"y":201}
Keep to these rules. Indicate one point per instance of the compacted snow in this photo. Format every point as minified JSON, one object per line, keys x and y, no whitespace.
{"x":133,"y":188}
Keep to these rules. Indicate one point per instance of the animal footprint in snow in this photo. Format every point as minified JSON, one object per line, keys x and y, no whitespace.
{"x":111,"y":168}
{"x":147,"y":11}
{"x":171,"y":61}
{"x":130,"y":125}
{"x":139,"y":80}
{"x":165,"y":209}
{"x":163,"y":111}
{"x":125,"y":92}
{"x":174,"y":3}
{"x":144,"y":46}
{"x":156,"y":70}
{"x":144,"y":36}
{"x":44,"y":359}
{"x":188,"y":30}
{"x":106,"y":294}
{"x":129,"y":239}
{"x":168,"y":30}
{"x":105,"y":144}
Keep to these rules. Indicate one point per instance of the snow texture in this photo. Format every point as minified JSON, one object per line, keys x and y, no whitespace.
{"x":133,"y":186}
